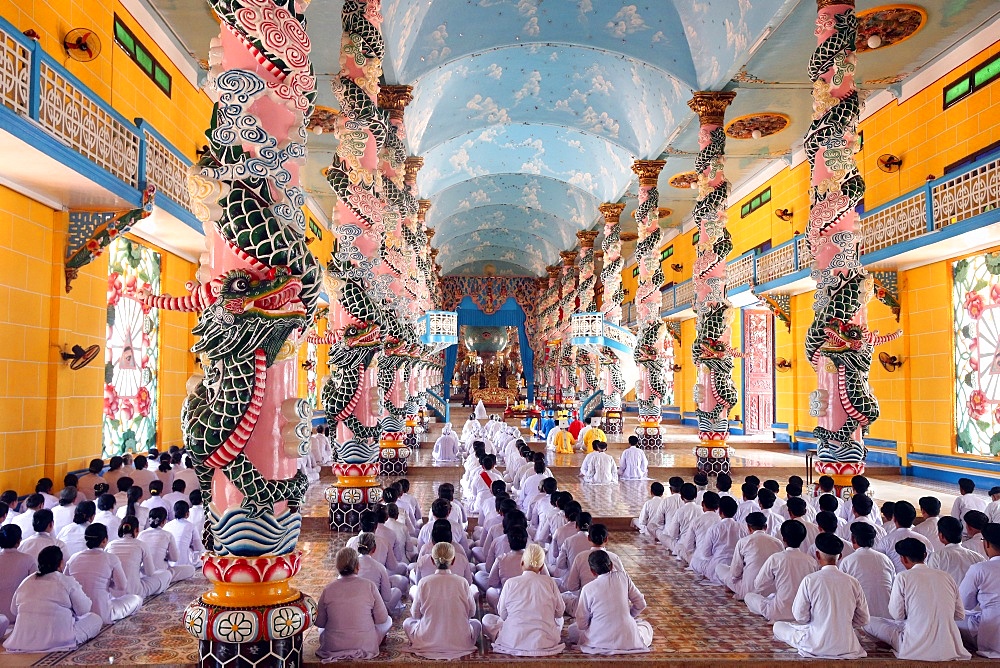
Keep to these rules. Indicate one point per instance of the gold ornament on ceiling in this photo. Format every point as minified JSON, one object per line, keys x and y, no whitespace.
{"x":888,"y":25}
{"x":322,"y":120}
{"x":756,"y":126}
{"x":684,"y":180}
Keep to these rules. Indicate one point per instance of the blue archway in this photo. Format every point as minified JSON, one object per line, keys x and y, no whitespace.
{"x":510,"y":314}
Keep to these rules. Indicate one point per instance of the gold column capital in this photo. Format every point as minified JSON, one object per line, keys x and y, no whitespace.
{"x":711,"y":106}
{"x":648,"y":171}
{"x":611,"y":212}
{"x":395,"y":99}
{"x":423,"y":206}
{"x":586,"y":238}
{"x":411,"y":167}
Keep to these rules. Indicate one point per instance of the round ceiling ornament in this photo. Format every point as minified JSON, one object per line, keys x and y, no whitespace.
{"x":322,"y":120}
{"x":684,"y":180}
{"x":757,"y":126}
{"x":888,"y":25}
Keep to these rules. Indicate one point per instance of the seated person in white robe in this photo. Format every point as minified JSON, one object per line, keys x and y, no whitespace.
{"x":784,"y":572}
{"x":606,"y":614}
{"x":187,"y":537}
{"x":53,"y":613}
{"x":951,"y":556}
{"x":441,"y":623}
{"x":425,"y":565}
{"x":106,"y":513}
{"x":697,"y":530}
{"x":62,"y":515}
{"x":530,"y":610}
{"x":25,"y":520}
{"x":141,"y":575}
{"x":975,"y":522}
{"x":14,"y":567}
{"x":471,"y":430}
{"x":717,"y":546}
{"x":42,"y":537}
{"x":872,"y":569}
{"x":506,"y":567}
{"x":679,"y":520}
{"x":930,"y":511}
{"x":580,"y":573}
{"x":980,"y":592}
{"x":602,"y":470}
{"x":383,"y":551}
{"x":133,"y":505}
{"x":644,"y":523}
{"x":924,"y":605}
{"x":570,"y":512}
{"x":372,"y":570}
{"x":827,"y":607}
{"x":632,"y":464}
{"x":828,"y":522}
{"x":749,"y":556}
{"x":351,"y":614}
{"x":574,"y":545}
{"x":163,"y":547}
{"x":903,"y":514}
{"x":103,"y":580}
{"x":446,"y":446}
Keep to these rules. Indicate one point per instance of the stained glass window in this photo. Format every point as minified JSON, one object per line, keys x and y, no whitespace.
{"x":976,"y":301}
{"x":132,"y":353}
{"x":312,"y":361}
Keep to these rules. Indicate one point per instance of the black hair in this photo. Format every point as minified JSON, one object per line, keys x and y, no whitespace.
{"x":164,"y":462}
{"x":950,"y":528}
{"x":549,"y":487}
{"x":140,"y":462}
{"x":505,"y":506}
{"x":129,"y":525}
{"x":105,"y":502}
{"x":930,"y":505}
{"x":368,"y":520}
{"x":756,"y":520}
{"x":905,"y":514}
{"x":404,"y":484}
{"x":710,"y":500}
{"x":584,"y":520}
{"x":793,"y":533}
{"x":41,"y":520}
{"x":700,"y":479}
{"x":441,"y":532}
{"x":441,"y":508}
{"x":181,"y":509}
{"x":157,"y":517}
{"x":179,"y":485}
{"x":991,"y":535}
{"x":828,"y":502}
{"x":134,"y":494}
{"x":723,"y":482}
{"x":688,"y":491}
{"x":599,"y":562}
{"x":44,"y":485}
{"x":10,"y":536}
{"x":728,"y":506}
{"x":489,"y":461}
{"x":656,"y":489}
{"x":597,"y":534}
{"x":889,"y":509}
{"x":392,"y":510}
{"x":49,"y":560}
{"x":446,"y":491}
{"x":572,"y":510}
{"x":633,"y":440}
{"x":195,"y":497}
{"x":793,"y":489}
{"x":976,"y":519}
{"x":862,"y":504}
{"x":94,"y":535}
{"x":795,"y":480}
{"x":796,"y":506}
{"x":827,"y":521}
{"x":771,"y":485}
{"x":156,"y":488}
{"x":765,"y":498}
{"x":754,"y":480}
{"x":115,"y":463}
{"x":749,"y":491}
{"x":864,"y":534}
{"x":498,"y":486}
{"x":912,"y":549}
{"x":539,"y":466}
{"x":512,"y":519}
{"x":96,"y":466}
{"x":828,"y":543}
{"x":966,"y":485}
{"x":84,"y":513}
{"x":70,"y":480}
{"x":826,"y":483}
{"x":518,"y":538}
{"x":675,"y":483}
{"x":34,"y":501}
{"x":124,"y":483}
{"x":860,"y":484}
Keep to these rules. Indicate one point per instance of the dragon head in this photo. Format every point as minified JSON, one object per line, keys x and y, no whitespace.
{"x":250,"y":313}
{"x":842,"y":336}
{"x":713,"y":349}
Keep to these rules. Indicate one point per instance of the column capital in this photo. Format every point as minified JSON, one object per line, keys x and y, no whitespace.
{"x":628,"y":236}
{"x":586,"y":238}
{"x":423,"y":206}
{"x":711,"y":106}
{"x":411,"y":167}
{"x":611,"y":212}
{"x":395,"y":99}
{"x":568,"y":257}
{"x":434,"y":254}
{"x":553,"y":272}
{"x":648,"y":171}
{"x":430,"y":233}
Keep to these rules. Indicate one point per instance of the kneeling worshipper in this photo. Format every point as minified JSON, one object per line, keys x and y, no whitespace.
{"x":446,"y":446}
{"x":351,"y":613}
{"x":103,"y":580}
{"x":562,"y":440}
{"x":164,"y":547}
{"x":924,"y":605}
{"x":14,"y":567}
{"x":441,"y":623}
{"x":827,"y":607}
{"x":42,"y":537}
{"x":980,"y":592}
{"x":53,"y":614}
{"x":602,"y":469}
{"x":141,"y":575}
{"x":530,"y":611}
{"x":606,"y":613}
{"x":632,"y":465}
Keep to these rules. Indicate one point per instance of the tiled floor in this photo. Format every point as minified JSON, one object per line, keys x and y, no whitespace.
{"x":694,"y":624}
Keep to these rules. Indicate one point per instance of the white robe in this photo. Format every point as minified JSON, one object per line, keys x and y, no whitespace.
{"x":62,"y":516}
{"x":827,"y":607}
{"x":34,"y":545}
{"x":53,"y":614}
{"x":966,"y":502}
{"x":103,"y":580}
{"x":602,"y":470}
{"x":374,"y":572}
{"x":887,"y":545}
{"x":436,"y":629}
{"x":14,"y":567}
{"x":109,"y":520}
{"x":875,"y":572}
{"x":695,"y":534}
{"x":924,"y":606}
{"x":748,"y":558}
{"x":480,"y":411}
{"x":141,"y":575}
{"x":645,"y":523}
{"x":353,"y":619}
{"x":164,"y":550}
{"x":677,"y":524}
{"x":784,"y":571}
{"x":954,"y":560}
{"x":981,"y":589}
{"x":446,"y":446}
{"x":189,"y":547}
{"x":633,"y":465}
{"x":605,"y":616}
{"x":530,"y":617}
{"x":716,"y":548}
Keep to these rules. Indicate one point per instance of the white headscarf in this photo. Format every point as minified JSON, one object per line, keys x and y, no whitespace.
{"x":481,"y":411}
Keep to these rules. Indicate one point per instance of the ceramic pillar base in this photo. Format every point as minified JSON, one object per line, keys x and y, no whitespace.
{"x":713,"y":457}
{"x":649,"y":436}
{"x":411,"y":438}
{"x":251,"y":617}
{"x":355,"y":491}
{"x":613,"y":423}
{"x":841,"y":472}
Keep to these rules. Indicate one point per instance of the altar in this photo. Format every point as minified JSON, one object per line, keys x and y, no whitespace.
{"x":489,"y":367}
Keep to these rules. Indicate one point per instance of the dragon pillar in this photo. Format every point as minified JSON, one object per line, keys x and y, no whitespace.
{"x":255,"y":296}
{"x":611,"y":306}
{"x":586,"y":303}
{"x":651,"y":388}
{"x":567,"y":305}
{"x":838,"y":343}
{"x":715,"y":393}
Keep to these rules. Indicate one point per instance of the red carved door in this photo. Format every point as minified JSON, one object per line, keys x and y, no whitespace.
{"x":758,"y":371}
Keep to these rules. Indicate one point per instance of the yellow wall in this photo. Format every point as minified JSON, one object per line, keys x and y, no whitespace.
{"x":181,"y":118}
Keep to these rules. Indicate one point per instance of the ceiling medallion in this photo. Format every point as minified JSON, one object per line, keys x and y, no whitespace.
{"x":766,"y":123}
{"x":323,"y":119}
{"x":888,"y":25}
{"x":684,"y":180}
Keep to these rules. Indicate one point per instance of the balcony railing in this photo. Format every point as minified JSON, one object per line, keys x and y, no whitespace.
{"x":970,"y":196}
{"x":37,"y":88}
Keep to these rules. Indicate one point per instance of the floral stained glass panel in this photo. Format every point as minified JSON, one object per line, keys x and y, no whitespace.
{"x":132,"y":354}
{"x":312,"y":360}
{"x":976,"y":301}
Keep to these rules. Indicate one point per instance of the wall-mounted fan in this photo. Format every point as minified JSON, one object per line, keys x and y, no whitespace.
{"x":782,"y":365}
{"x":82,"y":44}
{"x":889,"y":163}
{"x":890,"y":362}
{"x":80,"y":356}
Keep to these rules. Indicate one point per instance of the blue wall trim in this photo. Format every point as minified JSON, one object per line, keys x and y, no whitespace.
{"x":991,"y":467}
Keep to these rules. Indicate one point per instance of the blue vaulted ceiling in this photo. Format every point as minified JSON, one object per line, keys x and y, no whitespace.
{"x":529,"y":113}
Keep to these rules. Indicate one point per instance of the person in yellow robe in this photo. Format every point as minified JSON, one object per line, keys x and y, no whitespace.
{"x":563,"y":441}
{"x":594,"y":433}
